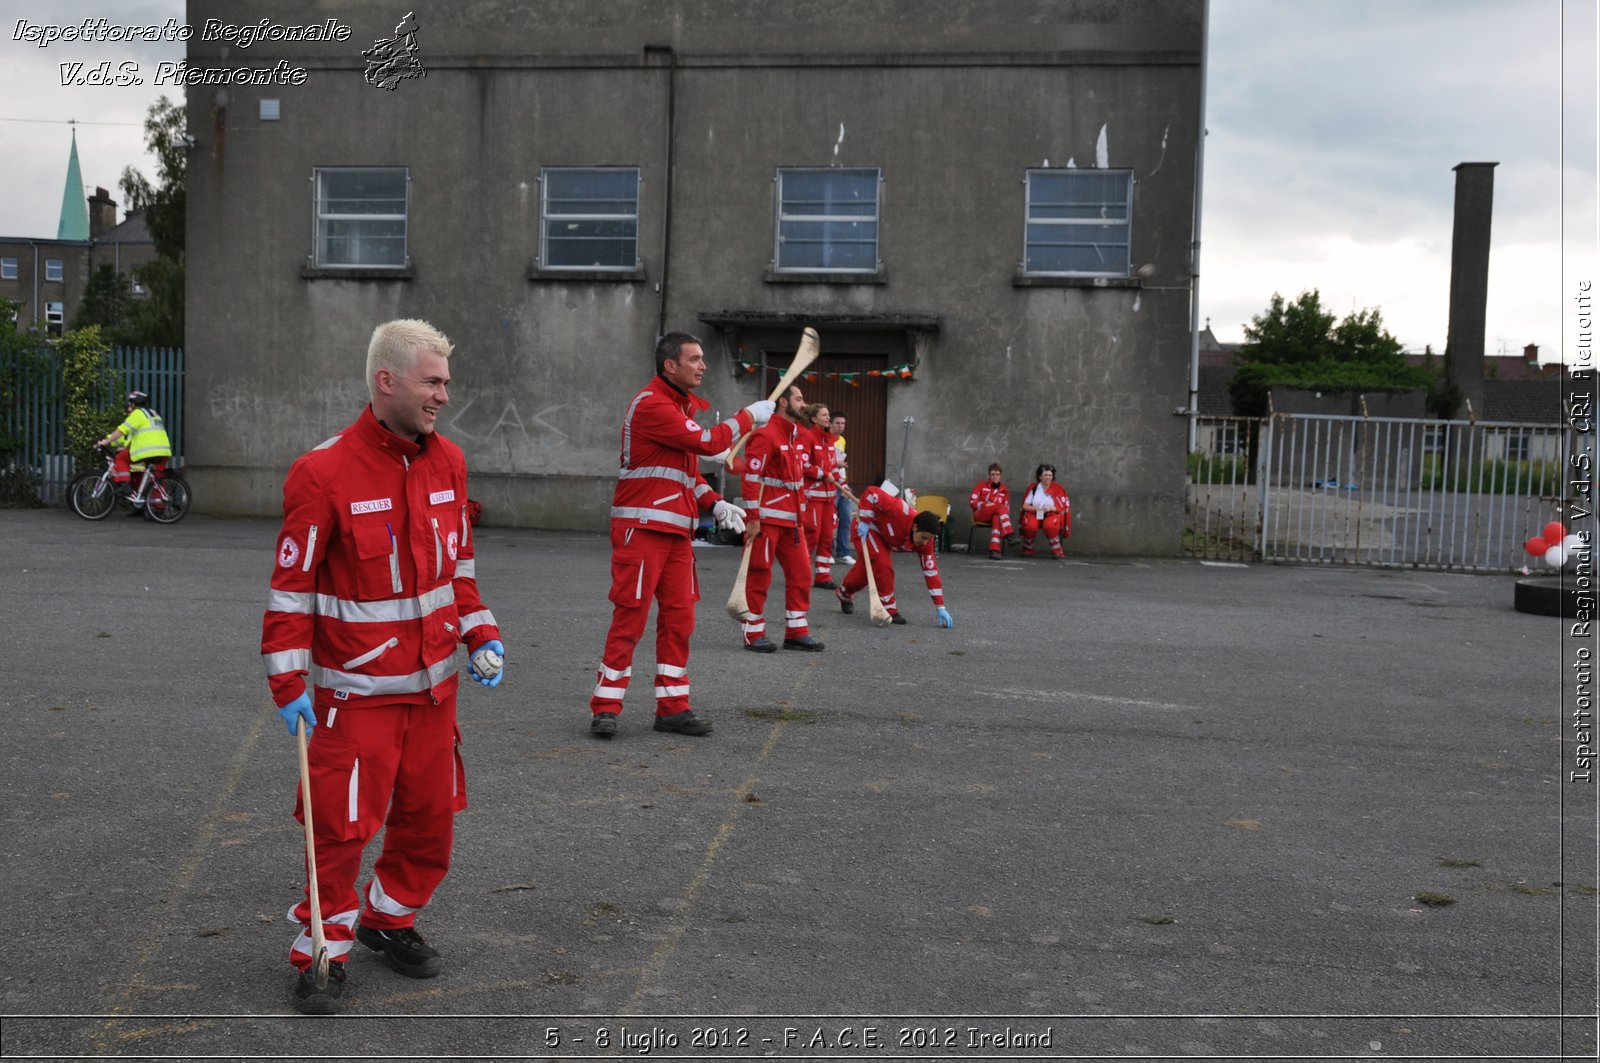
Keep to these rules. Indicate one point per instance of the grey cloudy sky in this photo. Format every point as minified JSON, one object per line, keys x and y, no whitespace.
{"x":1334,"y":125}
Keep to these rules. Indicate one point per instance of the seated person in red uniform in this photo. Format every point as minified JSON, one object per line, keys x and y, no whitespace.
{"x":1046,"y":505}
{"x":884,"y":522}
{"x":991,"y":505}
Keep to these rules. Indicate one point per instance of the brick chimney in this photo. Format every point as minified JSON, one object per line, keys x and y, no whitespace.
{"x":102,"y":213}
{"x":1469,"y":280}
{"x":1530,"y":354}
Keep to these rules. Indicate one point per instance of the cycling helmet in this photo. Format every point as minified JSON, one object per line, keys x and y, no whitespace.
{"x":138,"y":398}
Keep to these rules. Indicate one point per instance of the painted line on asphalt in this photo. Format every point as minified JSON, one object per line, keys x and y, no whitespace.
{"x":674,"y":935}
{"x":109,"y":1035}
{"x":1014,"y":694}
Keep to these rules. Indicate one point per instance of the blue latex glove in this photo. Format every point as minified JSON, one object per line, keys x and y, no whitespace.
{"x":945,"y":619}
{"x":481,"y":666}
{"x":299,"y":708}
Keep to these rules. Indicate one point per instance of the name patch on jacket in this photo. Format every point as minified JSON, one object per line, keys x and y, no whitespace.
{"x":442,"y":496}
{"x":372,"y":505}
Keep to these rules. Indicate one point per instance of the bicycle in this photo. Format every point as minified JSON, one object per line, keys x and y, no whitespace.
{"x":165,"y":494}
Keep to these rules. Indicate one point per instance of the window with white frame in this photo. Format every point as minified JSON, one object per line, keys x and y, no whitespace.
{"x":8,"y":269}
{"x":361,"y":214}
{"x":828,"y":220}
{"x":590,"y":217}
{"x":55,"y":317}
{"x":53,"y":270}
{"x":1079,"y":223}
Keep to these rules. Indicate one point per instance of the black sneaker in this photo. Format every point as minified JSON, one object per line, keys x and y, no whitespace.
{"x":403,"y":949}
{"x":804,"y":642}
{"x":309,"y":1000}
{"x":604,"y":724}
{"x":896,"y":618}
{"x":825,"y":585}
{"x":760,"y":645}
{"x":684,"y":723}
{"x":845,"y":604}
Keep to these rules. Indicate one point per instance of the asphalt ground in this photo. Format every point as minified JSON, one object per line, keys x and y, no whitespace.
{"x":1124,"y":809}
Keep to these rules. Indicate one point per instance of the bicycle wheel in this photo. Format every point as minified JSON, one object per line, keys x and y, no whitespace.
{"x":168,"y":501}
{"x":92,"y":496}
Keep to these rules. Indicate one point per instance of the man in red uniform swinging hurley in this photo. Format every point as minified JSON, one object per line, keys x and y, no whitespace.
{"x":774,"y":477}
{"x":884,"y":523}
{"x":658,"y":498}
{"x":374,"y":587}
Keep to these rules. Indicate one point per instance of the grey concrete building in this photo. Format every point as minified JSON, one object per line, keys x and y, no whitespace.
{"x":987,"y":210}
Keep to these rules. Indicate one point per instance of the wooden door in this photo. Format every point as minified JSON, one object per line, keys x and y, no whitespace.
{"x":841,"y":381}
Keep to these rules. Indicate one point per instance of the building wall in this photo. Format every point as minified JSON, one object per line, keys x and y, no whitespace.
{"x":952,"y":101}
{"x":32,"y":290}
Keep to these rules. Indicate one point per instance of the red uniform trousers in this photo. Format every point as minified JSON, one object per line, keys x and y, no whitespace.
{"x":826,"y":515}
{"x":787,"y":545}
{"x":998,"y":518}
{"x":122,"y":466}
{"x":646,"y":565}
{"x":1052,"y":530}
{"x":878,"y":556}
{"x":395,"y":767}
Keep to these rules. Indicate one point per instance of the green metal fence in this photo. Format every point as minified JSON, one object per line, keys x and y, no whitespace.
{"x":38,"y":415}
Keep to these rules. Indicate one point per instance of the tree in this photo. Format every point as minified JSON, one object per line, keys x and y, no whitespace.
{"x":1298,"y":345}
{"x":158,"y":321}
{"x":105,"y":301}
{"x":24,"y":373}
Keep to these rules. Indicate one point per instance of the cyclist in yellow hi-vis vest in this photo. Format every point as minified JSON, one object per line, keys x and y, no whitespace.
{"x":146,"y":439}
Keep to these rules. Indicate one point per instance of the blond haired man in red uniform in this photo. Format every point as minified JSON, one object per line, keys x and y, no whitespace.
{"x":774,"y":498}
{"x":659,"y":496}
{"x":374,"y":588}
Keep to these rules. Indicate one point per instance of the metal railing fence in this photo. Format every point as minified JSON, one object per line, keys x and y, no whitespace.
{"x":37,"y":414}
{"x":1459,"y":495}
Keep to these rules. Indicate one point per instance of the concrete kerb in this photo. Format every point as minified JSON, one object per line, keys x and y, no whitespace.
{"x":1156,"y":804}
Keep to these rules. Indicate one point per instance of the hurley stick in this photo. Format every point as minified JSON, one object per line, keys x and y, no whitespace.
{"x":319,"y":944}
{"x":878,"y":614}
{"x":810,"y":348}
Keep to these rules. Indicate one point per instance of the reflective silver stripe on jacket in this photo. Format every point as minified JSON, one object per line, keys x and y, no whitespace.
{"x":478,"y":619}
{"x":645,"y":513}
{"x":287,"y":661}
{"x":661,"y":472}
{"x":792,"y":485}
{"x":289,"y":602}
{"x":780,"y":514}
{"x":388,"y":611}
{"x":379,"y":685}
{"x":467,"y":569}
{"x":627,"y":428}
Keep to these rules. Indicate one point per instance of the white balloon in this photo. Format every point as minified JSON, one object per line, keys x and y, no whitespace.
{"x":1556,"y":556}
{"x":1572,"y":543}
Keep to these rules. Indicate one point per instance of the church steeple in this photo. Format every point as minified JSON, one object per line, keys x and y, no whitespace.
{"x":74,"y":208}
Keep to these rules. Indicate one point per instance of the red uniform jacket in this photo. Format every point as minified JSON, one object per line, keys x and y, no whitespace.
{"x":774,"y":472}
{"x":659,"y":487}
{"x":988,"y":494}
{"x":375,"y":581}
{"x":819,"y":466}
{"x":891,"y":519}
{"x":1058,"y":494}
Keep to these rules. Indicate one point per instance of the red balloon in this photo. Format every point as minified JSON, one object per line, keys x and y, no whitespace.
{"x":1536,"y":546}
{"x":1554,"y":532}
